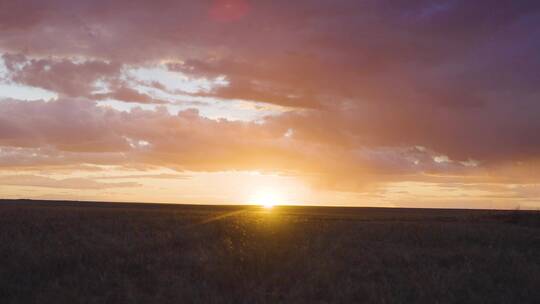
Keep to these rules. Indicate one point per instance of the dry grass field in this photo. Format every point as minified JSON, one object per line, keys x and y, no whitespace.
{"x":62,"y":252}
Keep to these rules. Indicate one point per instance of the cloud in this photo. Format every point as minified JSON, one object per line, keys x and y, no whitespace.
{"x":67,"y":183}
{"x":71,"y":131}
{"x":152,"y":176}
{"x":63,"y":76}
{"x":368,"y":82}
{"x":129,"y":95}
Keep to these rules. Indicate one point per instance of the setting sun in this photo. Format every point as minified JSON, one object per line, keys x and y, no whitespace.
{"x":268,"y":206}
{"x":266,"y":198}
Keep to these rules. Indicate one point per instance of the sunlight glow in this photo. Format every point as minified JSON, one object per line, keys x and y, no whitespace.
{"x":268,"y":206}
{"x":266,"y":198}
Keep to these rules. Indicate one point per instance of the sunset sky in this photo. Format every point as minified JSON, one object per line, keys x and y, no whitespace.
{"x":344,"y":102}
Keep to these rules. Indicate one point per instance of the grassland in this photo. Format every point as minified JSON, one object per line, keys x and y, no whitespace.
{"x":61,"y":252}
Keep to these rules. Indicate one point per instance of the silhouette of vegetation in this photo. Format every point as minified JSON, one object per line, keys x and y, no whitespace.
{"x":61,"y":252}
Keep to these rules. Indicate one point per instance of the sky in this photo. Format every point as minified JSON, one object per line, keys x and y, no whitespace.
{"x":346,"y":102}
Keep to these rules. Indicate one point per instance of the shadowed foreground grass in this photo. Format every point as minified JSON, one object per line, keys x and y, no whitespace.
{"x":58,"y":252}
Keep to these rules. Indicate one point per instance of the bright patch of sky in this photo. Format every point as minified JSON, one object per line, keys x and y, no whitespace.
{"x":9,"y":89}
{"x":101,"y":87}
{"x":23,"y":92}
{"x":178,"y":89}
{"x":128,"y":106}
{"x":172,"y":80}
{"x":441,"y":159}
{"x":289,"y":133}
{"x":3,"y":69}
{"x":219,"y":106}
{"x":234,"y":110}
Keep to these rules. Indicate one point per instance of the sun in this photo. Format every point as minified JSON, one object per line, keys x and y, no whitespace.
{"x":268,"y":205}
{"x":266,"y":198}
